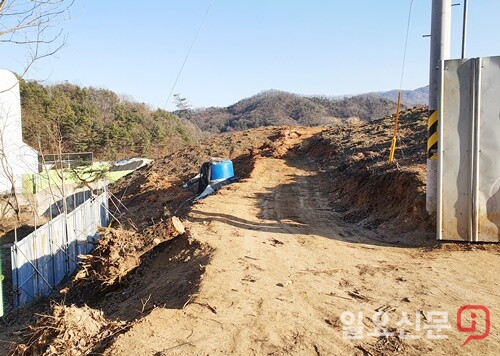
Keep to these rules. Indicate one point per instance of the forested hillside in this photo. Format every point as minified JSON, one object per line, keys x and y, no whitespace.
{"x":98,"y":120}
{"x":282,"y":108}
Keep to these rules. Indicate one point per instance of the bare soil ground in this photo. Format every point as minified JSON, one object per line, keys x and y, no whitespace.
{"x":318,"y":225}
{"x":286,"y":266}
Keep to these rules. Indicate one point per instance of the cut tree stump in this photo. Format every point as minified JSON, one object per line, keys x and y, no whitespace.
{"x":175,"y":226}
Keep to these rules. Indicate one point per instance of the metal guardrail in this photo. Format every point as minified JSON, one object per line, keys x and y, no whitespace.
{"x":43,"y":259}
{"x":65,"y":160}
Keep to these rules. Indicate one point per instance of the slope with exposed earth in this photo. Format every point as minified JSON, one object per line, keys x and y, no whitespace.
{"x":287,"y":264}
{"x":318,"y":225}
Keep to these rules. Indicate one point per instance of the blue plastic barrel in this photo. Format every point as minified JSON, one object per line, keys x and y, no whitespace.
{"x":221,"y":170}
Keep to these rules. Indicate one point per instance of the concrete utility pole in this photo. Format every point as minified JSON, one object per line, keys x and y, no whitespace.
{"x":440,"y":50}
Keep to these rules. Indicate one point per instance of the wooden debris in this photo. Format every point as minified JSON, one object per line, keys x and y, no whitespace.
{"x":69,"y":330}
{"x":118,"y":251}
{"x":177,"y":226}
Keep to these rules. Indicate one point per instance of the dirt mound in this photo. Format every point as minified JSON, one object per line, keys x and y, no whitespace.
{"x":168,"y":276}
{"x":152,"y":193}
{"x":118,"y":252}
{"x":286,"y":140}
{"x":366,"y":146}
{"x":69,"y":330}
{"x":365,"y":187}
{"x":268,"y":264}
{"x":130,"y":273}
{"x":127,"y":276}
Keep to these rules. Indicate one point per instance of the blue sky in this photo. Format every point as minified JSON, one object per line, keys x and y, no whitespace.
{"x":328,"y":47}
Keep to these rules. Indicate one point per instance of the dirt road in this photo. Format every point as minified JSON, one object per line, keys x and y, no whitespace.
{"x":285,"y":267}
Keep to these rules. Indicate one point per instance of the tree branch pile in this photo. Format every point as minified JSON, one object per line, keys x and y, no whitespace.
{"x":118,"y":252}
{"x":69,"y":330}
{"x":73,"y":330}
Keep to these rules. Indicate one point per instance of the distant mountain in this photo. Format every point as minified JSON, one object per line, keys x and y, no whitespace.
{"x":274,"y":107}
{"x":415,"y":97}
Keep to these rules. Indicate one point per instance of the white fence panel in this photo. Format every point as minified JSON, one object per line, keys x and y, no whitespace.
{"x":74,"y":223}
{"x":48,"y":255}
{"x":24,"y":280}
{"x":58,"y":242}
{"x":43,"y":262}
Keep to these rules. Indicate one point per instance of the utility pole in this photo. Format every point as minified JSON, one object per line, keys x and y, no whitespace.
{"x":440,"y":50}
{"x":464,"y":29}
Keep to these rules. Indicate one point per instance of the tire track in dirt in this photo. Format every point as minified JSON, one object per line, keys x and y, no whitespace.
{"x":285,"y":266}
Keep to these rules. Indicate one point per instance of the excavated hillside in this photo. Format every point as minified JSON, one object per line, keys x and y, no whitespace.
{"x":319,"y":224}
{"x":366,"y":188}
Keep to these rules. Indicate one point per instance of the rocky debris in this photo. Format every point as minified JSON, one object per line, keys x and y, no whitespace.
{"x":69,"y":330}
{"x":285,"y":140}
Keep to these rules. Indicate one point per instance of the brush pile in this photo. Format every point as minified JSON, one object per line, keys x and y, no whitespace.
{"x":70,"y":330}
{"x":118,"y":252}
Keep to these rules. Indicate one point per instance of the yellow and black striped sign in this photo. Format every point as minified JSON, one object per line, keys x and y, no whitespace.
{"x":432,"y":135}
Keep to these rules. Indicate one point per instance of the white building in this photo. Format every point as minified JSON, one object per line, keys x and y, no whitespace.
{"x":17,"y":159}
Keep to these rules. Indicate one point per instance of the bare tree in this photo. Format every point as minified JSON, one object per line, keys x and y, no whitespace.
{"x":34,"y":24}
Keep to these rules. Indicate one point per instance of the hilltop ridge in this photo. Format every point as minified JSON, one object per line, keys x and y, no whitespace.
{"x":274,"y":107}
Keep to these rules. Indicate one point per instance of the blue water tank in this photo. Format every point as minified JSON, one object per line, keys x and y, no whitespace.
{"x":221,"y":170}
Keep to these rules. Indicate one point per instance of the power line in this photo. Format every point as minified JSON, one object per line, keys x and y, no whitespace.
{"x":188,"y":53}
{"x":406,"y":45}
{"x":396,"y":122}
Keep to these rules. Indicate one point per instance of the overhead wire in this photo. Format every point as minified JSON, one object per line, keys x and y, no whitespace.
{"x":396,"y":123}
{"x":188,"y":53}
